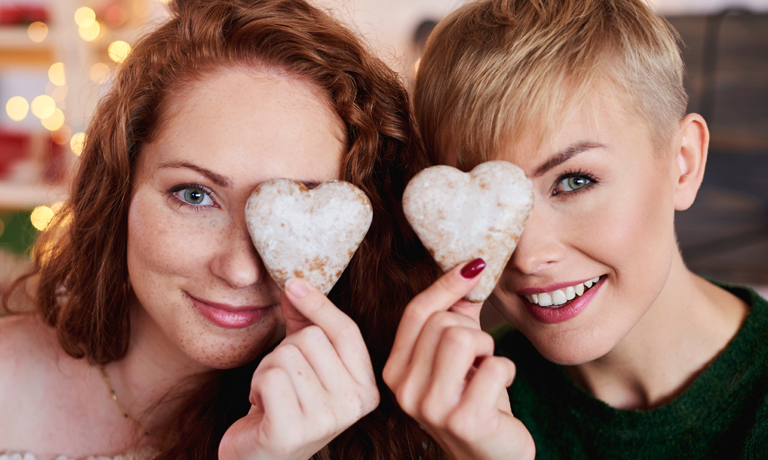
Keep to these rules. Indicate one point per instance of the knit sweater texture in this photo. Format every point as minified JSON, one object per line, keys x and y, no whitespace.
{"x":722,"y":415}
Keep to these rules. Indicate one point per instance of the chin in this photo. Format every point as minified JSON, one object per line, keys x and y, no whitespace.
{"x":570,"y":354}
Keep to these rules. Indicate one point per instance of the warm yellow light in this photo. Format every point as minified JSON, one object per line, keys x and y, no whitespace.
{"x":99,"y":73}
{"x":77,"y":143}
{"x":41,"y":217}
{"x":43,"y":106}
{"x":56,"y":74}
{"x":37,"y":31}
{"x":55,"y":121}
{"x":85,"y":17}
{"x":119,"y":50}
{"x":90,"y":33}
{"x":17,"y":108}
{"x":62,"y":136}
{"x":59,"y":93}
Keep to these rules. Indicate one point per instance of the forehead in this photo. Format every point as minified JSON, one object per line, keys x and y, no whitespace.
{"x":252,"y":124}
{"x":598,"y":118}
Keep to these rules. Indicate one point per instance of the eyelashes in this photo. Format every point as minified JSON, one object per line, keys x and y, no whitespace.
{"x":194,"y":196}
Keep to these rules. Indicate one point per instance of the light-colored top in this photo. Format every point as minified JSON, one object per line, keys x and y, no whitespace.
{"x":135,"y":455}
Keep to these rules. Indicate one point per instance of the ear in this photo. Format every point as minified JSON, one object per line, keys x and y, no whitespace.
{"x":691,"y":150}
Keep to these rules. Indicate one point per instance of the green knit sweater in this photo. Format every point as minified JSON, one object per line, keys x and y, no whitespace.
{"x":723,"y":414}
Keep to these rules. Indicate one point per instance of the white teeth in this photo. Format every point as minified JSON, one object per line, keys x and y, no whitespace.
{"x":558,"y":297}
{"x":561,"y":296}
{"x":545,"y":300}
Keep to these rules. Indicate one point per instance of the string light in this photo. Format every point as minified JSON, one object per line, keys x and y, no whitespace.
{"x":119,"y":50}
{"x":56,"y":74}
{"x":55,"y":121}
{"x":85,"y":17}
{"x":41,"y":217}
{"x":17,"y":108}
{"x":37,"y":31}
{"x":77,"y":143}
{"x":43,"y":106}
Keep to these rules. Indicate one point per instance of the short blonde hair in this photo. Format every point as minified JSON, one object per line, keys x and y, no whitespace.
{"x":495,"y":70}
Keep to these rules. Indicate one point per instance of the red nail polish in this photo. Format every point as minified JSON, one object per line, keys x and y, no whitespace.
{"x":473,"y":268}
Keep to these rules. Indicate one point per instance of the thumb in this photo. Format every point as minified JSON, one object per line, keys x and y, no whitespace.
{"x":294,"y":320}
{"x":468,"y":309}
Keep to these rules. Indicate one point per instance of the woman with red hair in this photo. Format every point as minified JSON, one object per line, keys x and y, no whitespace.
{"x":157,"y":331}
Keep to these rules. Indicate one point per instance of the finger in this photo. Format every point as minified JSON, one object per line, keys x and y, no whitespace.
{"x":455,"y":359}
{"x":342,"y":332}
{"x":274,"y":390}
{"x":294,"y":320}
{"x":440,"y":296}
{"x":468,"y":309}
{"x":493,"y":376}
{"x":304,"y":382}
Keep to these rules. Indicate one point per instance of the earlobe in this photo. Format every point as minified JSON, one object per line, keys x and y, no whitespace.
{"x":692,"y":146}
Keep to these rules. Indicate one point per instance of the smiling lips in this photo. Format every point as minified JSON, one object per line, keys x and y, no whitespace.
{"x":229,"y":316}
{"x":559,"y":297}
{"x":561,"y":303}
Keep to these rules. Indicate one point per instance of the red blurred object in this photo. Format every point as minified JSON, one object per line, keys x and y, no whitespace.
{"x":13,"y":148}
{"x":19,"y":14}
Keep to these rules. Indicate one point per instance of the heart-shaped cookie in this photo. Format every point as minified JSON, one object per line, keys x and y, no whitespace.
{"x":462,"y":216}
{"x":308,"y":234}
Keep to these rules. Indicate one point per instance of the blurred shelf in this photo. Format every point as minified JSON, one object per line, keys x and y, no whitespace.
{"x":17,"y":197}
{"x":16,"y":48}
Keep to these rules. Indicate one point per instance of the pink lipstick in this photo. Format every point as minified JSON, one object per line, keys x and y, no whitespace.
{"x":229,"y":316}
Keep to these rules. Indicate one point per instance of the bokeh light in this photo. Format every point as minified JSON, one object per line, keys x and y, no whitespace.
{"x":37,"y":31}
{"x":85,"y":17}
{"x":17,"y":108}
{"x":62,"y":136}
{"x":91,"y":32}
{"x":59,"y":93}
{"x":99,"y":73}
{"x":56,"y":74}
{"x":41,"y":217}
{"x":43,"y":106}
{"x":119,"y":50}
{"x":77,"y":143}
{"x":55,"y":121}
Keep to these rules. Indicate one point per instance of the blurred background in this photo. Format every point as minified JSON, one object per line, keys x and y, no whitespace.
{"x":57,"y":58}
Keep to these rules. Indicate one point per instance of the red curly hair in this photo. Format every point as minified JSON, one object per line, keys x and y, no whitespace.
{"x":80,"y":270}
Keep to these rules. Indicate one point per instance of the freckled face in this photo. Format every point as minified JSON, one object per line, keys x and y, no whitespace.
{"x":197,"y":279}
{"x":606,"y":211}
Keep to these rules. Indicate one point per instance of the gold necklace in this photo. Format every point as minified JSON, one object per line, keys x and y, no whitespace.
{"x":120,"y":406}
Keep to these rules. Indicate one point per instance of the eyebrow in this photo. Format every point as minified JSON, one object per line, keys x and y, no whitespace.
{"x":218,"y":179}
{"x":565,"y":155}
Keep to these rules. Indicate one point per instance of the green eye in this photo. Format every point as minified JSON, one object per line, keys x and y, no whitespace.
{"x":193,"y":196}
{"x":576,"y":182}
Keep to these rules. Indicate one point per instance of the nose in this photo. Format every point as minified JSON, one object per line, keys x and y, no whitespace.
{"x":238,"y":263}
{"x":540,"y":246}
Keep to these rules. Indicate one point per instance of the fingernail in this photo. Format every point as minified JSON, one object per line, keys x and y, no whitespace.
{"x":296,"y":287}
{"x":473,"y":268}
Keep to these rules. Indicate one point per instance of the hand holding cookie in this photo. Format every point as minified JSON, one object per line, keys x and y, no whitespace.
{"x":462,"y":216}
